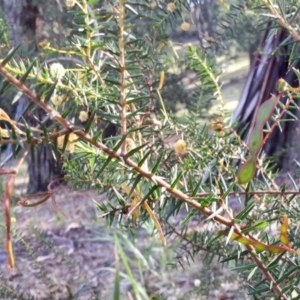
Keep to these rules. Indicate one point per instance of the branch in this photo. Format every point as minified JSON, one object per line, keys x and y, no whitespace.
{"x":122,"y":71}
{"x":140,"y":170}
{"x":274,"y":286}
{"x":280,"y":19}
{"x":119,"y":156}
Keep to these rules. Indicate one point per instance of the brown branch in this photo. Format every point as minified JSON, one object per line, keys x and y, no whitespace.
{"x":145,"y":173}
{"x":280,"y":19}
{"x":6,"y":204}
{"x":255,"y":257}
{"x":35,"y":140}
{"x":184,"y":238}
{"x":84,"y":8}
{"x":119,"y":156}
{"x":243,"y":193}
{"x":275,"y":287}
{"x":122,"y":72}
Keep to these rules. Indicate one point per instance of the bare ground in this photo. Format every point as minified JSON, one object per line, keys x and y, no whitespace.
{"x":58,"y":255}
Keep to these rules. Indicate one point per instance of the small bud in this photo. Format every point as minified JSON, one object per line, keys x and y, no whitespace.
{"x":70,"y":3}
{"x":282,"y":85}
{"x":218,"y":126}
{"x":197,"y":282}
{"x":57,"y":71}
{"x":171,"y":7}
{"x":129,"y":144}
{"x":4,"y":116}
{"x":57,"y":100}
{"x":44,"y":44}
{"x":128,"y":108}
{"x":185,"y":26}
{"x":153,"y":4}
{"x":83,"y":116}
{"x":180,"y":147}
{"x":157,"y":125}
{"x":70,"y":143}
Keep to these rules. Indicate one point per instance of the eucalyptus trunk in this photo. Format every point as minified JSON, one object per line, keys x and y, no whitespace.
{"x":283,"y":146}
{"x":23,"y":18}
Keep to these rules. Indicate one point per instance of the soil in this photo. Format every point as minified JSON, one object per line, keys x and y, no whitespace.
{"x":67,"y":249}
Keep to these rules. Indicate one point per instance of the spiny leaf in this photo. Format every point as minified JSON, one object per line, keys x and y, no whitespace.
{"x":135,"y":150}
{"x":259,"y":225}
{"x":146,"y":155}
{"x":188,"y":217}
{"x":156,"y":222}
{"x":10,"y":55}
{"x":25,"y":75}
{"x":117,"y":280}
{"x":287,"y":275}
{"x":50,"y":92}
{"x":157,"y":163}
{"x":4,"y":86}
{"x":176,"y":180}
{"x":127,"y":268}
{"x":245,"y":212}
{"x":90,"y":121}
{"x":136,"y":181}
{"x":67,"y":111}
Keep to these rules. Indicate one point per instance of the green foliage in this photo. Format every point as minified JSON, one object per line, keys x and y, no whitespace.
{"x":156,"y":166}
{"x":256,"y":141}
{"x":209,"y":88}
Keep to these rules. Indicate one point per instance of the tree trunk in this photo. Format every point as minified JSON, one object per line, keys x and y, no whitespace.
{"x":202,"y":15}
{"x":22,"y":17}
{"x":283,"y":145}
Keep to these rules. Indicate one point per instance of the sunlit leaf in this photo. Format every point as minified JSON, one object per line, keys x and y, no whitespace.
{"x":265,"y":111}
{"x":255,"y":141}
{"x":247,"y":171}
{"x":284,"y":231}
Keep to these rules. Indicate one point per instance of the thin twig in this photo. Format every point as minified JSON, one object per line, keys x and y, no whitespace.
{"x":142,"y":171}
{"x":280,"y":19}
{"x":254,"y":256}
{"x":33,"y":140}
{"x":184,"y":238}
{"x":6,"y":204}
{"x":87,"y":27}
{"x":122,"y":72}
{"x":242,"y":193}
{"x":119,"y":156}
{"x":275,"y":287}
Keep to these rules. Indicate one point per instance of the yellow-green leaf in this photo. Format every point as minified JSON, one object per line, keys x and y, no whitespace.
{"x":265,"y":111}
{"x":284,"y":230}
{"x":247,"y":171}
{"x":255,"y":141}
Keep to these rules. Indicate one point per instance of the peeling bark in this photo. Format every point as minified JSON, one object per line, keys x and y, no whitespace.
{"x":283,"y":145}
